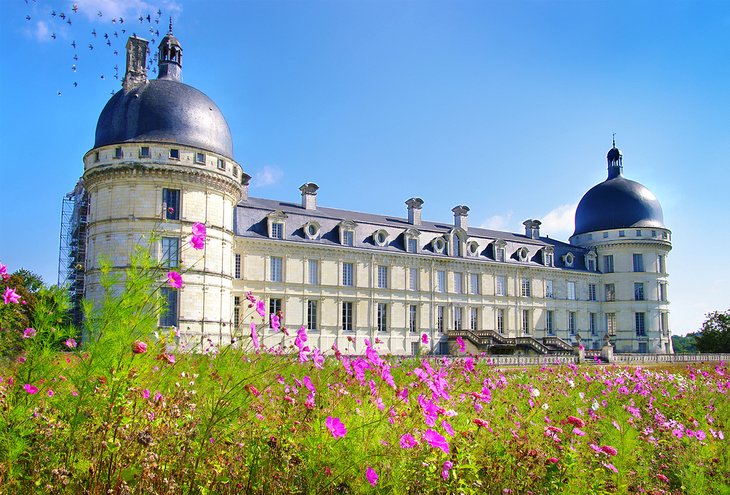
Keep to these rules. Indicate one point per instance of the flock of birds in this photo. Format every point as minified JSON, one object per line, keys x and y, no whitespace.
{"x":109,"y":35}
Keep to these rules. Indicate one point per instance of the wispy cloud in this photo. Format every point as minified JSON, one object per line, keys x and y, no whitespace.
{"x":559,"y":222}
{"x":41,"y":32}
{"x":498,"y":222}
{"x":267,"y":176}
{"x":128,"y":9}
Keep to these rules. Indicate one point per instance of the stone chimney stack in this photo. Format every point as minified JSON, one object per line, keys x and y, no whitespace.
{"x":414,"y":210}
{"x":245,"y":181}
{"x":461,"y":214}
{"x":136,"y":74}
{"x":309,"y":195}
{"x":532,"y":228}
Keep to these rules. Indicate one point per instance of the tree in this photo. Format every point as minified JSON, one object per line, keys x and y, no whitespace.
{"x":684,"y":345}
{"x":715,"y":333}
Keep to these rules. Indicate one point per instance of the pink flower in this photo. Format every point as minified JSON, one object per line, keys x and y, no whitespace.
{"x":553,"y":460}
{"x":29,"y":333}
{"x":447,"y":427}
{"x":424,"y":338}
{"x":260,"y":308}
{"x":576,"y":421}
{"x":254,"y":336}
{"x":170,"y":358}
{"x":139,"y":347}
{"x":174,"y":279}
{"x":480,"y":422}
{"x":10,"y":296}
{"x":199,"y":229}
{"x":197,"y":242}
{"x":371,"y":476}
{"x":609,"y":450}
{"x":436,"y":441}
{"x":146,"y":393}
{"x":335,"y":426}
{"x":51,"y":393}
{"x":30,"y":389}
{"x":445,"y":469}
{"x":407,"y":441}
{"x":158,"y":395}
{"x":276,"y":322}
{"x":700,"y":435}
{"x":579,"y":432}
{"x":610,"y":467}
{"x":70,"y":343}
{"x":318,"y":358}
{"x":3,"y":270}
{"x":461,"y":344}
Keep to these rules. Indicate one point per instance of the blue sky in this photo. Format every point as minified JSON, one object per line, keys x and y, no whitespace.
{"x":507,"y":107}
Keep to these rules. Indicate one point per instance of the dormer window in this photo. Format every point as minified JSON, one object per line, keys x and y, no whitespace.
{"x":174,"y":154}
{"x":522,"y":254}
{"x":472,"y":248}
{"x":200,"y":158}
{"x":380,"y":237}
{"x":591,"y":259}
{"x":347,"y":232}
{"x":439,"y":245}
{"x":457,"y":240}
{"x":568,"y":259}
{"x":311,"y":230}
{"x":277,"y":222}
{"x":221,"y":164}
{"x":118,"y":152}
{"x":410,"y":239}
{"x":500,"y":250}
{"x":548,"y":256}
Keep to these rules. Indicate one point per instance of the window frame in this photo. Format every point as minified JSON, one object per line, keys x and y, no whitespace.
{"x":348,"y":310}
{"x":382,"y":276}
{"x":638,"y":262}
{"x":313,"y":315}
{"x":348,"y":274}
{"x":313,"y":271}
{"x":171,"y":314}
{"x":170,"y":254}
{"x":276,"y":269}
{"x":413,"y":318}
{"x":639,"y":291}
{"x":500,"y":285}
{"x":382,"y":317}
{"x":176,"y":196}
{"x":608,"y":265}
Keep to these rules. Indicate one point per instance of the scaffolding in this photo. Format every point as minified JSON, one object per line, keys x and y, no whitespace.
{"x":72,"y":250}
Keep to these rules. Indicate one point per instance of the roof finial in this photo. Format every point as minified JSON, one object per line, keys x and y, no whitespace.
{"x":614,"y":139}
{"x":170,"y":29}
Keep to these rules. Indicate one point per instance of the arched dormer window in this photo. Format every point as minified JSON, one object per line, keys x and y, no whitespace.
{"x":277,"y":224}
{"x":411,"y":240}
{"x":568,"y":259}
{"x":380,"y":237}
{"x":548,"y":256}
{"x":311,"y":230}
{"x":499,"y":248}
{"x":347,"y":232}
{"x":472,"y":248}
{"x":457,"y":239}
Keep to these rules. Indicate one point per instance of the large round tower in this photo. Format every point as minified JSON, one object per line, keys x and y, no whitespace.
{"x":163,"y":160}
{"x":623,"y":222}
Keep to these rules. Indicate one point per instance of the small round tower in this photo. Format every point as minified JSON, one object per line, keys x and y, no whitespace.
{"x":162,"y":161}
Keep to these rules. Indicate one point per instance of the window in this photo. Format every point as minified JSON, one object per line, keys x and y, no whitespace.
{"x":548,"y":256}
{"x":642,"y":348}
{"x":640,"y":324}
{"x":501,"y":282}
{"x":571,"y":322}
{"x":611,"y":323}
{"x":526,"y":288}
{"x":653,"y":233}
{"x":382,"y":317}
{"x":549,"y":289}
{"x":413,"y":279}
{"x":526,"y":321}
{"x":347,"y":316}
{"x":312,"y":315}
{"x":168,"y":318}
{"x":550,"y":323}
{"x":96,"y":156}
{"x":413,"y":318}
{"x":571,"y":291}
{"x":277,"y":230}
{"x":500,"y":320}
{"x":638,"y":262}
{"x":276,"y":269}
{"x":200,"y":158}
{"x":174,"y":154}
{"x":236,"y":311}
{"x":380,"y":237}
{"x":382,"y":277}
{"x":171,"y":204}
{"x":662,"y":296}
{"x":275,"y":308}
{"x":522,"y":254}
{"x":458,"y":317}
{"x":438,"y":245}
{"x":638,"y":233}
{"x":591,"y":264}
{"x":472,"y":248}
{"x":144,"y":152}
{"x":660,"y":263}
{"x":608,"y":263}
{"x":440,"y":318}
{"x":569,"y":259}
{"x":592,"y":323}
{"x":500,"y":253}
{"x":170,"y":252}
{"x":412,"y":245}
{"x":457,"y":246}
{"x":664,"y":322}
{"x":458,"y":282}
{"x":605,"y":235}
{"x":474,"y":287}
{"x":610,"y":292}
{"x":314,"y":272}
{"x":118,"y":152}
{"x":415,"y":348}
{"x":638,"y":291}
{"x":237,"y":266}
{"x":474,"y":319}
{"x":440,"y":281}
{"x":591,"y":292}
{"x":348,"y":238}
{"x":221,"y":164}
{"x":311,"y":229}
{"x":622,"y":233}
{"x":347,"y":274}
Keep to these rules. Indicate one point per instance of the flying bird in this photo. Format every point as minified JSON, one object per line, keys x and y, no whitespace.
{"x":73,"y":44}
{"x":159,"y":12}
{"x":68,"y":21}
{"x":102,"y":76}
{"x":149,"y":18}
{"x":91,"y":47}
{"x":27,"y":18}
{"x":76,"y":57}
{"x":53,"y":13}
{"x":116,"y":52}
{"x":94,"y":32}
{"x":75,"y":84}
{"x":75,"y":8}
{"x":53,"y":36}
{"x":62,"y":16}
{"x":108,"y":43}
{"x":106,"y":36}
{"x":99,"y":13}
{"x":73,"y":67}
{"x":116,"y":35}
{"x":58,"y":93}
{"x":121,"y":21}
{"x":140,"y":18}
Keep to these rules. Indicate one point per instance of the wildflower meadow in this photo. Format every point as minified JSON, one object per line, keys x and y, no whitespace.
{"x":118,"y":407}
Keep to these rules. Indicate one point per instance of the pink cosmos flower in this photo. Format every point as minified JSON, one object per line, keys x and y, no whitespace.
{"x":553,"y":460}
{"x":424,"y":338}
{"x":610,"y":467}
{"x":576,"y":421}
{"x":371,"y":476}
{"x":254,"y":336}
{"x":199,"y":229}
{"x":30,"y":389}
{"x":260,"y":308}
{"x":445,"y":469}
{"x":335,"y":426}
{"x":275,"y":322}
{"x":139,"y":347}
{"x":579,"y":432}
{"x":318,"y":358}
{"x":197,"y":242}
{"x":447,"y":427}
{"x":662,"y":478}
{"x":436,"y":441}
{"x":407,"y":441}
{"x":11,"y":296}
{"x":461,"y":344}
{"x":174,"y":279}
{"x":170,"y":358}
{"x":158,"y":395}
{"x":51,"y":393}
{"x":29,"y":333}
{"x":70,"y":343}
{"x":609,"y":450}
{"x":146,"y":393}
{"x":700,"y":435}
{"x":480,"y":422}
{"x":3,"y":270}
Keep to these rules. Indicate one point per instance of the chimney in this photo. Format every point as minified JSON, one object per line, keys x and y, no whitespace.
{"x":532,"y":228}
{"x":414,"y":210}
{"x":461,"y":213}
{"x":245,"y":181}
{"x":309,"y":195}
{"x":136,"y":74}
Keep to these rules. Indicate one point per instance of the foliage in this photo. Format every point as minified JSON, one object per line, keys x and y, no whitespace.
{"x":684,"y":345}
{"x":715,"y":333}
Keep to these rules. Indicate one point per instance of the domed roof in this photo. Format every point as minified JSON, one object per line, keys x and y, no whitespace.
{"x":168,"y":111}
{"x":617,"y":203}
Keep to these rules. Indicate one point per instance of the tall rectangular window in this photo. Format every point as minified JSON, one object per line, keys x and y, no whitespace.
{"x":501,"y":282}
{"x":458,"y":282}
{"x":474,"y":285}
{"x":236,"y":311}
{"x":526,"y":287}
{"x":314,"y":272}
{"x":275,"y":308}
{"x":591,"y":265}
{"x":591,"y":292}
{"x":276,"y":272}
{"x":500,"y":254}
{"x":348,"y":238}
{"x":550,"y":323}
{"x":549,"y":289}
{"x":412,"y":245}
{"x":170,"y":252}
{"x":660,"y":264}
{"x":458,"y":318}
{"x":312,"y":315}
{"x":347,"y":274}
{"x":413,"y":318}
{"x":277,"y":230}
{"x":571,"y":291}
{"x":347,"y":316}
{"x":592,"y":323}
{"x":413,"y":279}
{"x":440,"y":318}
{"x":171,"y":203}
{"x":500,"y":320}
{"x":237,"y":266}
{"x":474,"y":319}
{"x":664,"y":322}
{"x":610,"y":292}
{"x":571,"y":322}
{"x":640,"y":324}
{"x":526,"y":321}
{"x":662,"y":291}
{"x":638,"y":291}
{"x":382,"y":317}
{"x":611,"y":323}
{"x":382,"y":277}
{"x":638,"y":262}
{"x":441,"y":281}
{"x":608,"y":263}
{"x":168,"y":318}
